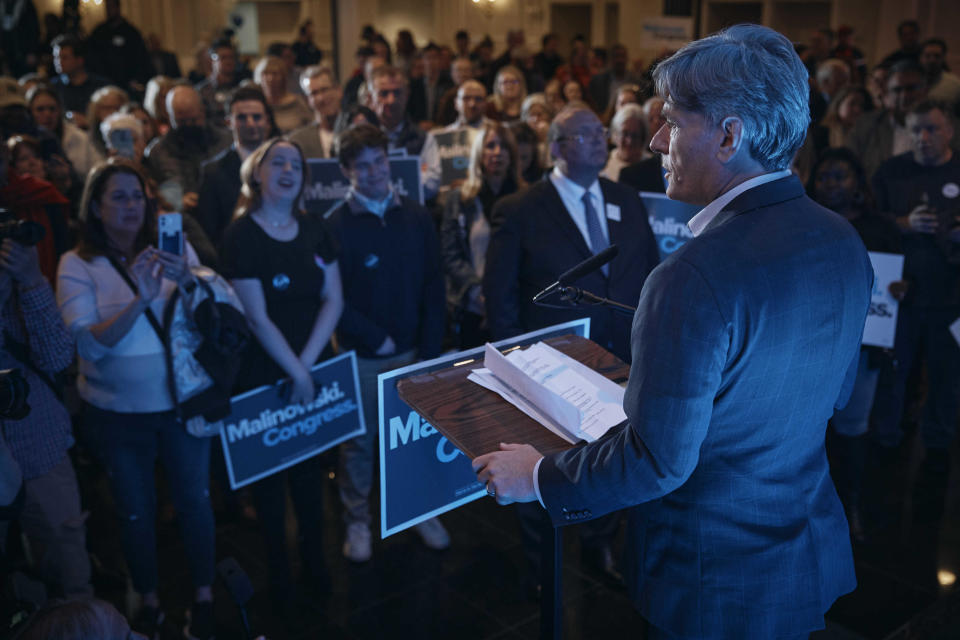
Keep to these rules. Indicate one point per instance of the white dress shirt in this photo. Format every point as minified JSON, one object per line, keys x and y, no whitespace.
{"x":326,"y":141}
{"x":572,"y":196}
{"x":706,"y":215}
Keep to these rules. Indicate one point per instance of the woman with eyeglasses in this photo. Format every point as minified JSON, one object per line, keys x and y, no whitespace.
{"x":509,"y":91}
{"x":628,"y":133}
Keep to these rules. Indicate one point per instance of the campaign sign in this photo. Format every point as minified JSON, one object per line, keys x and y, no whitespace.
{"x":327,"y":186}
{"x":421,"y":474}
{"x":264,"y":434}
{"x":406,"y":177}
{"x":881,"y":327}
{"x":667,"y":32}
{"x":453,"y":147}
{"x":668,"y":219}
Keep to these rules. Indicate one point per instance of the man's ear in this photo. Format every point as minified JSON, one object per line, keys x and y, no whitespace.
{"x":555,"y":150}
{"x":732,"y":128}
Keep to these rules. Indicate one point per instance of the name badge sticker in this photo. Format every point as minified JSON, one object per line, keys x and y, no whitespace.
{"x":613,"y":212}
{"x":955,"y":330}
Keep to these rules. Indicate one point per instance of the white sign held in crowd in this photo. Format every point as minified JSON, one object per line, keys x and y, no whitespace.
{"x":881,"y":327}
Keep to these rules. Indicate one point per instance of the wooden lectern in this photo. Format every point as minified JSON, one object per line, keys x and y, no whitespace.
{"x":476,"y":420}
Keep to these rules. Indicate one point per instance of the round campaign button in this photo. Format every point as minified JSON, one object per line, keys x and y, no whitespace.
{"x":281,"y":281}
{"x":950,"y":190}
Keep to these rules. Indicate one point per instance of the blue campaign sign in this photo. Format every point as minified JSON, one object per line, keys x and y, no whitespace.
{"x":454,"y":150}
{"x":405,"y":175}
{"x":264,"y":434}
{"x":327,"y":186}
{"x":668,"y":219}
{"x":421,"y":474}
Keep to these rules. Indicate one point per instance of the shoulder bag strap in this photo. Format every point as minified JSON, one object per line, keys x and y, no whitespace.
{"x":164,"y":336}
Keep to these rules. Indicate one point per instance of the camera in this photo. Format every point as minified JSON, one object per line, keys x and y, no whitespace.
{"x":25,"y":232}
{"x":14,"y":390}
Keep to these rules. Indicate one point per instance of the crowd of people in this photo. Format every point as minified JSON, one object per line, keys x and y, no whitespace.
{"x":556,"y":145}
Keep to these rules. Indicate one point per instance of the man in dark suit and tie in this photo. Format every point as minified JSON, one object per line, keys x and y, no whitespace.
{"x":744,"y":342}
{"x":251,"y":122}
{"x":540,"y":233}
{"x":560,"y":221}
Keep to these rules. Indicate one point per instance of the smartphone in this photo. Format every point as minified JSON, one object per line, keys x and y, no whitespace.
{"x":170,"y":233}
{"x":122,"y":141}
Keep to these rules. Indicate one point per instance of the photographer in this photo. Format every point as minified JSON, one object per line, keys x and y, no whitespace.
{"x":28,"y":198}
{"x":35,"y":340}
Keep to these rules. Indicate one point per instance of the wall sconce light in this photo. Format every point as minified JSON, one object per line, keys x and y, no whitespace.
{"x":486,"y":6}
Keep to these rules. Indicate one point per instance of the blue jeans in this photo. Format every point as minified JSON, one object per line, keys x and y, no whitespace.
{"x":921,"y":333}
{"x":129,"y":444}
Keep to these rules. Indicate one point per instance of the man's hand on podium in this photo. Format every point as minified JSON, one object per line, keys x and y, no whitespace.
{"x":508,"y":473}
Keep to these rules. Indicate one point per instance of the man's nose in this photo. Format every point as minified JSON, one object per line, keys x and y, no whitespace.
{"x":661,"y":141}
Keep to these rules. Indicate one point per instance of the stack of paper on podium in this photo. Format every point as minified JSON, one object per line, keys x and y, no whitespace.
{"x":562,"y":394}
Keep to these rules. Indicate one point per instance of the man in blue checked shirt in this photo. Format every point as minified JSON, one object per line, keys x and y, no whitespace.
{"x":35,"y":341}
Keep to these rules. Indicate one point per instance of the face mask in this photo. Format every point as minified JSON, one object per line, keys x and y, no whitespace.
{"x":191,"y":135}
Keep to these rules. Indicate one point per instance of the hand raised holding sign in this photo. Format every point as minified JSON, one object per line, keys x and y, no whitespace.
{"x":898,"y":289}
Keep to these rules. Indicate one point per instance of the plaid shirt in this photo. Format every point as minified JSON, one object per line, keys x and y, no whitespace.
{"x":40,"y":441}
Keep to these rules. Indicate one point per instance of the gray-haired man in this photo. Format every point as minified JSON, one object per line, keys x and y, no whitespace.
{"x":744,"y":341}
{"x":323,"y":93}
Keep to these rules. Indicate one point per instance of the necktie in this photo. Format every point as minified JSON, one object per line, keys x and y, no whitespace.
{"x":597,"y":242}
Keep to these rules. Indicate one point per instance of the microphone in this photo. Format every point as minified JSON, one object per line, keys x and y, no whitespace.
{"x":575,"y":273}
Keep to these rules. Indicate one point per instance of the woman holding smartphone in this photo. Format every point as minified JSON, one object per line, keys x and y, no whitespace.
{"x":283,"y":265}
{"x":107,"y":289}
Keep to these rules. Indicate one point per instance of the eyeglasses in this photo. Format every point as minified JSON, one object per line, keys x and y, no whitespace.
{"x":583,"y":138}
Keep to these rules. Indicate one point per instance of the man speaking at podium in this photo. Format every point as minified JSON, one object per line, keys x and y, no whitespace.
{"x":744,"y":342}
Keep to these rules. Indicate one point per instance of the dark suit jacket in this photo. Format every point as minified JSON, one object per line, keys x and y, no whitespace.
{"x":219,"y":191}
{"x":745,"y":340}
{"x":308,"y":138}
{"x":417,"y":104}
{"x":646,"y":175}
{"x":165,"y":63}
{"x":169,"y":158}
{"x":411,"y":137}
{"x":534,"y":240}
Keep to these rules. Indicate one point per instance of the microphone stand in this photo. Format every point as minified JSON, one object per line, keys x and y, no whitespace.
{"x":580,"y":296}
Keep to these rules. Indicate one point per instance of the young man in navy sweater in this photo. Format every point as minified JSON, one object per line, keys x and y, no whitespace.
{"x":394,"y":304}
